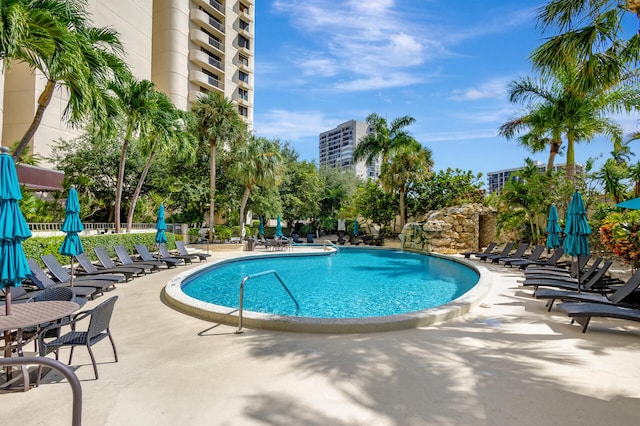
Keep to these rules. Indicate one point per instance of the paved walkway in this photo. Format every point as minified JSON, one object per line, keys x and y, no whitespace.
{"x":508,"y":363}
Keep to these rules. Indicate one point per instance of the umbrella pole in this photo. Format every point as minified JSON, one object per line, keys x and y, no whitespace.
{"x":71,"y":282}
{"x":578,"y":272}
{"x":7,"y":304}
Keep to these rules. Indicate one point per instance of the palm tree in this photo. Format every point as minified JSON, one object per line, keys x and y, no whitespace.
{"x":137,"y":101}
{"x":218,"y":123}
{"x":168,"y":134}
{"x":255,"y":164}
{"x":555,"y":106}
{"x":612,"y":175}
{"x":590,"y":33}
{"x":383,"y":139}
{"x":83,"y":61}
{"x":408,"y":166}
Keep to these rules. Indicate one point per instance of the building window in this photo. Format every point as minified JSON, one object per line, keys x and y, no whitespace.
{"x":243,"y":94}
{"x":244,"y":25}
{"x":243,"y":8}
{"x":243,"y":42}
{"x":243,"y":111}
{"x":243,"y":76}
{"x":243,"y":60}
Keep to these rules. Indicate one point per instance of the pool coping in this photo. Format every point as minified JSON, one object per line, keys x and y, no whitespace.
{"x":177,"y":299}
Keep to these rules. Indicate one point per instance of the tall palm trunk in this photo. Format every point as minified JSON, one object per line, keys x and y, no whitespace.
{"x":43,"y":102}
{"x":555,"y":148}
{"x":136,"y":193}
{"x":243,"y":205}
{"x":403,"y":209}
{"x":123,"y":157}
{"x":212,"y":191}
{"x":571,"y":157}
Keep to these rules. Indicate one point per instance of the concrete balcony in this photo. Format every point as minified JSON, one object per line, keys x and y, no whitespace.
{"x":202,"y":39}
{"x":202,"y":59}
{"x":205,"y":21}
{"x":203,"y":80}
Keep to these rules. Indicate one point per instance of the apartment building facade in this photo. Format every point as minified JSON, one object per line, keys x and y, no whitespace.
{"x":185,"y":47}
{"x":336,"y":147}
{"x":497,"y":180}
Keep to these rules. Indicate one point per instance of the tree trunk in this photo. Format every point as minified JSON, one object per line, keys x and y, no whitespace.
{"x":243,"y":204}
{"x":136,"y":193}
{"x":212,"y":185}
{"x":555,"y":148}
{"x":403,"y":213}
{"x":571,"y":157}
{"x":43,"y":102}
{"x":120,"y":183}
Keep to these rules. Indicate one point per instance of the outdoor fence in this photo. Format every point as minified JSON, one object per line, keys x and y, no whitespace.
{"x":104,"y":228}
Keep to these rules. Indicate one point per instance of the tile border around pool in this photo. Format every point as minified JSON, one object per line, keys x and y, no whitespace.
{"x":175,"y":298}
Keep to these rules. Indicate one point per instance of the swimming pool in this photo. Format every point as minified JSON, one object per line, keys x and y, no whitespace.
{"x":356,"y":290}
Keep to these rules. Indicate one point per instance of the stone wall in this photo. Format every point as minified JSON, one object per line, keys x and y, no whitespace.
{"x":451,"y":230}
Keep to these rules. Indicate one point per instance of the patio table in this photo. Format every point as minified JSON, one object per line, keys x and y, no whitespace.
{"x":26,"y":315}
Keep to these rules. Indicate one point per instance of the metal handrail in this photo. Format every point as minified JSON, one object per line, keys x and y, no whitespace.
{"x":330,"y":243}
{"x":76,"y":388}
{"x":259,"y":274}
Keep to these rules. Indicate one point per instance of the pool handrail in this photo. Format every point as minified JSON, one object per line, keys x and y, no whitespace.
{"x":329,"y":243}
{"x":256,"y":275}
{"x":76,"y":388}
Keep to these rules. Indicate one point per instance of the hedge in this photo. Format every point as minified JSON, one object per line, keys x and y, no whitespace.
{"x":35,"y":247}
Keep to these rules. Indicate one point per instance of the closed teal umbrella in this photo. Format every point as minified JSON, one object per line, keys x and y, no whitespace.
{"x":278,"y":228}
{"x":553,"y":229}
{"x":72,"y":225}
{"x":261,"y":230}
{"x":13,"y":229}
{"x":577,"y":230}
{"x":355,"y":227}
{"x":161,"y":226}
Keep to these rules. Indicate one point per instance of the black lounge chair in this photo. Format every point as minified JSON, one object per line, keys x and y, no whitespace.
{"x":125,"y":259}
{"x":18,"y":294}
{"x":97,"y":330}
{"x":504,"y":253}
{"x":582,"y":312}
{"x":488,"y":250}
{"x":90,"y":269}
{"x":560,"y":273}
{"x":594,"y":282}
{"x":623,"y":296}
{"x":108,"y":263}
{"x":522,"y":247}
{"x":534,"y":256}
{"x":40,"y":279}
{"x":182,"y":249}
{"x":62,"y":275}
{"x":562,"y":267}
{"x":296,"y":239}
{"x":164,"y":252}
{"x":551,"y":262}
{"x":146,"y":256}
{"x":310,"y":238}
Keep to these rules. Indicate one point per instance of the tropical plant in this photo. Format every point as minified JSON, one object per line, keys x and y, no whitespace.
{"x":299,"y":190}
{"x":256,"y":164}
{"x":137,"y":102}
{"x":445,"y":188}
{"x":217,"y":123}
{"x":409,"y":166}
{"x":383,"y":139}
{"x":620,"y":234}
{"x":84,"y":59}
{"x":168,"y":134}
{"x":555,"y":106}
{"x":612,"y":176}
{"x":590,"y":34}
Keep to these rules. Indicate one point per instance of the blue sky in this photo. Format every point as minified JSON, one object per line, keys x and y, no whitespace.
{"x":319,"y":63}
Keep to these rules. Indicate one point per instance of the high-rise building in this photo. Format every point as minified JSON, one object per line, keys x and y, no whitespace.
{"x":336,"y":147}
{"x":497,"y":180}
{"x":185,"y":47}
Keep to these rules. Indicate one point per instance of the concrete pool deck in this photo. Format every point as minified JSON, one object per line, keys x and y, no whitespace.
{"x":510,"y":362}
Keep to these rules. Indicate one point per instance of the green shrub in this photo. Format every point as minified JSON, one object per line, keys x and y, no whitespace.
{"x":35,"y":247}
{"x":223,"y":232}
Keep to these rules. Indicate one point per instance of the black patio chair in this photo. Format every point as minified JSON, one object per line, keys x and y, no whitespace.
{"x":182,"y":249}
{"x":88,"y":268}
{"x":108,"y":263}
{"x":97,"y":330}
{"x":146,"y":256}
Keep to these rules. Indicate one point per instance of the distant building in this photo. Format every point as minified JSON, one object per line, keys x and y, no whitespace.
{"x":497,"y":180}
{"x":336,"y":147}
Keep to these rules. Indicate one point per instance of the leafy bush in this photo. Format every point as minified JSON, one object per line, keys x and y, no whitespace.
{"x":35,"y":247}
{"x":619,"y":234}
{"x":223,"y":232}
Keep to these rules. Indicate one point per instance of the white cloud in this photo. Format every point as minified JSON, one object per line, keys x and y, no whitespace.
{"x":378,"y":82}
{"x":495,"y":88}
{"x":290,"y":125}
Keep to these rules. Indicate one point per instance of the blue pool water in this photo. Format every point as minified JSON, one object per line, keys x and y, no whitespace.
{"x":354,"y":283}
